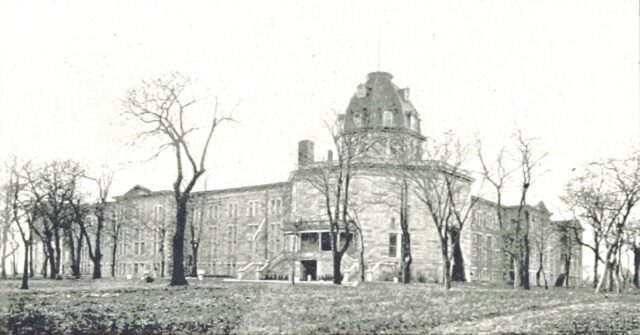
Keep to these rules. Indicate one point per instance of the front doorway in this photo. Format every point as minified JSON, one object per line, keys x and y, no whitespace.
{"x":309,"y":268}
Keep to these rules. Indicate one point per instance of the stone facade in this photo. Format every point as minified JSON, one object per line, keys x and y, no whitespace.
{"x":276,"y":231}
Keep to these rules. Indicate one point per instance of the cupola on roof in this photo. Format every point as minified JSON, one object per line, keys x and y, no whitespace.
{"x":378,"y":102}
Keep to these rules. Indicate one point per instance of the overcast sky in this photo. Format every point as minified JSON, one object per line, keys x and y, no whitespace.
{"x":563,"y":71}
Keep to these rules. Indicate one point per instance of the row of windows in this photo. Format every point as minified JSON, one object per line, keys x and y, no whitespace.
{"x":484,"y":220}
{"x":213,"y":211}
{"x":364,"y":117}
{"x":485,"y":251}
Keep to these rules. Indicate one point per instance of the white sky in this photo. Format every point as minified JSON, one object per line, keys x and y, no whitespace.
{"x":564,"y":71}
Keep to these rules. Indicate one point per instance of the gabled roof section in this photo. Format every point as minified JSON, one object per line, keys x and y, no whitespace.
{"x":137,"y":190}
{"x":540,"y":205}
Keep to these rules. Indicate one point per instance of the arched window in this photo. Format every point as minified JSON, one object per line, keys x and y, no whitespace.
{"x":387,"y":118}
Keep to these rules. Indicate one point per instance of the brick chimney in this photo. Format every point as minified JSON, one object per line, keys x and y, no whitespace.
{"x":305,"y":152}
{"x":330,"y":156}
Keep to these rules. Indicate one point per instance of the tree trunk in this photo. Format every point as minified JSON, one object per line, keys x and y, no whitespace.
{"x":517,"y":273}
{"x":75,"y":254}
{"x":114,"y":249}
{"x":446,"y":265}
{"x":596,"y":253}
{"x":97,"y":253}
{"x":458,"y":260}
{"x":362,"y":268}
{"x":3,"y":257}
{"x":406,"y":258}
{"x":525,"y":263}
{"x":58,"y":254}
{"x":406,"y":236}
{"x":607,"y":269}
{"x":177,"y":273}
{"x":567,"y":268}
{"x":337,"y":265}
{"x":194,"y":252}
{"x":636,"y":266}
{"x":25,"y":270}
{"x":45,"y":262}
{"x":31,"y":261}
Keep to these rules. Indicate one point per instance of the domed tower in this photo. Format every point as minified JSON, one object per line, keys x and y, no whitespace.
{"x":385,"y":113}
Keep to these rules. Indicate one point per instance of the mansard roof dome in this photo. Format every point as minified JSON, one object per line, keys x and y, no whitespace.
{"x":377,"y":95}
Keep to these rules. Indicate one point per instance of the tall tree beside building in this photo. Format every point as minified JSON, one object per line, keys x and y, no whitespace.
{"x":91,"y":228}
{"x":605,"y":194}
{"x":515,"y":235}
{"x":587,"y":197}
{"x":119,"y":214}
{"x":332,"y":179}
{"x":442,"y":186}
{"x":529,"y":163}
{"x":497,"y":173}
{"x":162,"y":106}
{"x":56,"y":184}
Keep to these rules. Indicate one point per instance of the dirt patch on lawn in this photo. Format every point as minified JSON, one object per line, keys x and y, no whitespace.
{"x":610,"y":317}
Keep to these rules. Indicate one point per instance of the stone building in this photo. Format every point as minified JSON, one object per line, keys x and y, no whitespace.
{"x":274,"y":231}
{"x":552,"y":244}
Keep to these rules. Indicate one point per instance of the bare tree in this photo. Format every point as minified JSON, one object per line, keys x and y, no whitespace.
{"x":588,"y":197}
{"x":497,"y":174}
{"x":56,"y":184}
{"x":515,"y":239}
{"x":625,"y":186}
{"x":461,"y":203}
{"x":24,"y":213}
{"x":99,"y":211}
{"x":605,"y":194}
{"x":6,"y":224}
{"x":160,"y":106}
{"x":528,"y":162}
{"x":332,"y":179}
{"x":441,"y":185}
{"x":119,"y":215}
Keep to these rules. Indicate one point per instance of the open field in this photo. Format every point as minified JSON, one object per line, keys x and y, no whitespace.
{"x":212,"y":306}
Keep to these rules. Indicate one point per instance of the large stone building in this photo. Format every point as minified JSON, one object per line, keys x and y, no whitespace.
{"x":269,"y":231}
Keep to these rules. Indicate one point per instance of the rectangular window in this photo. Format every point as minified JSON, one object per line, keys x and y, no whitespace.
{"x":393,"y":244}
{"x":325,"y":242}
{"x":141,"y":248}
{"x":322,"y":206}
{"x":308,"y":242}
{"x":387,"y":118}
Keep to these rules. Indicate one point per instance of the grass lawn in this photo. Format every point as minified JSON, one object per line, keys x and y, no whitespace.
{"x":212,"y":306}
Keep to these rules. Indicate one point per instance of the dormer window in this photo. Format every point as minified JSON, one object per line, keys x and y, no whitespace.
{"x":387,"y":118}
{"x":362,"y":91}
{"x":405,"y":94}
{"x":357,"y":119}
